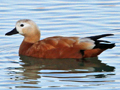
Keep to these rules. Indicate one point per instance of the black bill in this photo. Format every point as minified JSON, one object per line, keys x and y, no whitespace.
{"x":14,"y":31}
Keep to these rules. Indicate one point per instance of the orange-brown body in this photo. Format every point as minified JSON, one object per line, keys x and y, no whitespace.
{"x":58,"y":47}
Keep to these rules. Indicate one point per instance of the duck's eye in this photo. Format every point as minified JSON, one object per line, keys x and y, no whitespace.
{"x":21,"y":25}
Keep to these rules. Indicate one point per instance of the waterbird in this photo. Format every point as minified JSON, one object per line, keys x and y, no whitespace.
{"x":57,"y":46}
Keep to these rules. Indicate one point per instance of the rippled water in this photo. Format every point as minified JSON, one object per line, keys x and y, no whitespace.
{"x":67,"y":18}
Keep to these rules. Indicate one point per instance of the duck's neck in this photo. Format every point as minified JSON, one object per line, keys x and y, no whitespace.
{"x":32,"y":38}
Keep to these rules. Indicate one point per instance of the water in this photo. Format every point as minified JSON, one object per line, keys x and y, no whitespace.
{"x":67,"y":18}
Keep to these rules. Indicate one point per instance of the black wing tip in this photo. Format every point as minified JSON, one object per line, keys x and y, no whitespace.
{"x":99,"y":36}
{"x":108,"y":34}
{"x":102,"y":44}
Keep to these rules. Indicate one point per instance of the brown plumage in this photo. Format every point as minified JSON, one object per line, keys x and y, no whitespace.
{"x":57,"y":46}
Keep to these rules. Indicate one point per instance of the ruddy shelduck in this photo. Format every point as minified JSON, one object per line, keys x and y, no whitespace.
{"x":57,"y":46}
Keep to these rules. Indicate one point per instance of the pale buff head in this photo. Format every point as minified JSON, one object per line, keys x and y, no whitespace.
{"x":28,"y":29}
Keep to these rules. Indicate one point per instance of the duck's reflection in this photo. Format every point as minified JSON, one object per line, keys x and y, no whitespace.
{"x":39,"y":72}
{"x":33,"y":67}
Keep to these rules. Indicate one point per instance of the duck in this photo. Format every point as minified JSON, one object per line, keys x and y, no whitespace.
{"x":57,"y":47}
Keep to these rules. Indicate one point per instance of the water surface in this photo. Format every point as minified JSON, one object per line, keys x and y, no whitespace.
{"x":65,"y":18}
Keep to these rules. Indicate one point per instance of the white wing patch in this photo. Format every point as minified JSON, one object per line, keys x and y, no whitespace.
{"x":91,"y":43}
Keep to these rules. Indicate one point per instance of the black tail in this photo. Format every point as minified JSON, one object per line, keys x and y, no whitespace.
{"x":105,"y":46}
{"x":102,"y":44}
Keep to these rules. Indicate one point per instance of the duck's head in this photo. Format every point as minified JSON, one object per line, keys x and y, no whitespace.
{"x":28,"y":29}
